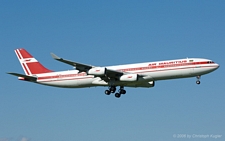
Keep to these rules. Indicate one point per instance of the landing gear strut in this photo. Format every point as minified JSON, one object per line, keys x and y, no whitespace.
{"x":112,"y":89}
{"x":198,"y":79}
{"x":121,"y":90}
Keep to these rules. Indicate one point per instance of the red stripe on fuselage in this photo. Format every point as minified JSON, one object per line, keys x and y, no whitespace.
{"x":66,"y":79}
{"x":164,"y":66}
{"x":174,"y":69}
{"x":62,"y":76}
{"x":63,"y":79}
{"x":150,"y":69}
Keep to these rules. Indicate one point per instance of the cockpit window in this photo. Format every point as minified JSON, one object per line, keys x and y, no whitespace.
{"x":210,"y":62}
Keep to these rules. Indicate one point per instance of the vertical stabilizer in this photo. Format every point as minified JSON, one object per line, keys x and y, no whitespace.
{"x":29,"y":64}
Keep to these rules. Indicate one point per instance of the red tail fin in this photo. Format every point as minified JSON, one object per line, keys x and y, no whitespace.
{"x":29,"y":64}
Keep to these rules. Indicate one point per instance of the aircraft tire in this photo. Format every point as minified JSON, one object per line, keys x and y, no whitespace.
{"x":117,"y":95}
{"x":112,"y":89}
{"x":122,"y":91}
{"x":198,"y":82}
{"x":107,"y":92}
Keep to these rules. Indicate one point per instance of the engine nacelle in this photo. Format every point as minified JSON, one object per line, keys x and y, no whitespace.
{"x":99,"y":71}
{"x":129,"y":77}
{"x":150,"y":84}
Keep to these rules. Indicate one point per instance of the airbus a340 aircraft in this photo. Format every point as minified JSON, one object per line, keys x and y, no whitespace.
{"x":130,"y":75}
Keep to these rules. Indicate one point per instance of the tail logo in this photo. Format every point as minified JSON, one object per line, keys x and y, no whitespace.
{"x":29,"y":64}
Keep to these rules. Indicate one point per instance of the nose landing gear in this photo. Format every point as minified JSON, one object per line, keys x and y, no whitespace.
{"x":198,"y":79}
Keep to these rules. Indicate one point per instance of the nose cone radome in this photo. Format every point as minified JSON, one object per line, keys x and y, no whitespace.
{"x":216,"y":66}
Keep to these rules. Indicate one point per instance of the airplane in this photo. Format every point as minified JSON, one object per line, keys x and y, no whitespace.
{"x":130,"y":75}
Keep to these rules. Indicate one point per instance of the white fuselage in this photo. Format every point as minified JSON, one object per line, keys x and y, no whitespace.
{"x":150,"y":71}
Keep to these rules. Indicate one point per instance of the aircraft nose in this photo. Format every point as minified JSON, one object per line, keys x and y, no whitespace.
{"x":216,"y":66}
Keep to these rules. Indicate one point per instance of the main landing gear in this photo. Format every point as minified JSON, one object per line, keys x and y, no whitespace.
{"x":112,"y":89}
{"x":198,"y":79}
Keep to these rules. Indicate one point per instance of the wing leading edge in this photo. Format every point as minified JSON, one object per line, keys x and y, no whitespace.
{"x":79,"y":66}
{"x":109,"y":73}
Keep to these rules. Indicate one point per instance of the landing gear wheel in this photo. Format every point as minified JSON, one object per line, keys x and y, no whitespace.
{"x":107,"y":92}
{"x":198,"y":82}
{"x":112,"y":89}
{"x":122,"y":91}
{"x":198,"y":79}
{"x":117,"y":95}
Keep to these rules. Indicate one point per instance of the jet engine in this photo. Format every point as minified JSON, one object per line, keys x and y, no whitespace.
{"x":99,"y":71}
{"x":129,"y":77}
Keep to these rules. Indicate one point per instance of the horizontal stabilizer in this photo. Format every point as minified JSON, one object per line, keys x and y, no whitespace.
{"x":26,"y":77}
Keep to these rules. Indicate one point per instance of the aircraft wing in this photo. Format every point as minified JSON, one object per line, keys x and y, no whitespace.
{"x":113,"y":73}
{"x":110,"y":74}
{"x":79,"y":66}
{"x":26,"y":77}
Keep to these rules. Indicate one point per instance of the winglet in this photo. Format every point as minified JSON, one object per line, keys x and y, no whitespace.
{"x":55,"y":56}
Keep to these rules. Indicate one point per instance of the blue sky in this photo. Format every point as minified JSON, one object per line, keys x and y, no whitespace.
{"x":109,"y":33}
